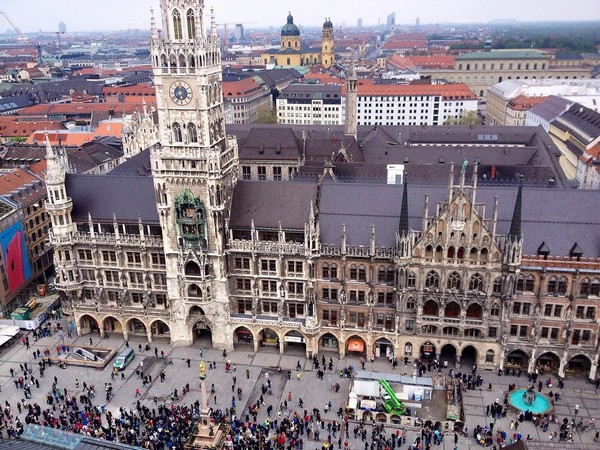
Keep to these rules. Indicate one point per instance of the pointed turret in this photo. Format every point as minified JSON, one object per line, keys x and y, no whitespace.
{"x":213,"y":24}
{"x":55,"y":173}
{"x":515,"y":224}
{"x":153,"y":29}
{"x":403,"y":225}
{"x":513,"y":249}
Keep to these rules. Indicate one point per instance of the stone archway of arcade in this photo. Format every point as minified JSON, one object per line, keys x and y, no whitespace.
{"x":261,"y":338}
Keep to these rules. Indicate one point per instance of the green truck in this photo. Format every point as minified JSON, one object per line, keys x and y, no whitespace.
{"x":390,"y":402}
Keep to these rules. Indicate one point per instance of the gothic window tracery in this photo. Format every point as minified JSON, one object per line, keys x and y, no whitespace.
{"x":454,"y":281}
{"x":177,"y":135}
{"x":177,"y":32}
{"x":192,"y":132}
{"x":191,"y":24}
{"x":476,"y":283}
{"x":497,"y":287}
{"x":432,"y":280}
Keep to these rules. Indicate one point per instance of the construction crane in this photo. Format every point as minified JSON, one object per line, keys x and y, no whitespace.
{"x":58,"y":38}
{"x":14,"y":27}
{"x":22,"y":37}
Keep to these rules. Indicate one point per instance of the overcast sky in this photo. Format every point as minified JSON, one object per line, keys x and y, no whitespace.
{"x":35,"y":15}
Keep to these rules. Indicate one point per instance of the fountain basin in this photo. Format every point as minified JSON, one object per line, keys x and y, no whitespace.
{"x":540,"y":405}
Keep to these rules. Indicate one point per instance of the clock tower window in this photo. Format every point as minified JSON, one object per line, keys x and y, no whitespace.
{"x":177,"y":34}
{"x":192,"y":132}
{"x":191,"y":24}
{"x":177,"y":136}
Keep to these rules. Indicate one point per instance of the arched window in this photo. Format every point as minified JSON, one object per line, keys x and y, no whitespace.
{"x":381,"y":274}
{"x":177,"y":33}
{"x":452,"y":310}
{"x":353,"y":272}
{"x":561,"y":287}
{"x":192,"y":132}
{"x":552,"y":285}
{"x":529,"y":283}
{"x":460,"y":67}
{"x":495,"y":310}
{"x":390,"y":275}
{"x":325,"y":273}
{"x":429,"y":251}
{"x":454,"y":281}
{"x":430,"y":308}
{"x":476,"y":283}
{"x":489,"y":356}
{"x":177,"y":136}
{"x":474,"y":311}
{"x":497,"y":287}
{"x":194,"y":291}
{"x":411,"y":281}
{"x":432,"y":280}
{"x":584,"y":287}
{"x":333,"y":271}
{"x":362,"y":273}
{"x":191,"y":24}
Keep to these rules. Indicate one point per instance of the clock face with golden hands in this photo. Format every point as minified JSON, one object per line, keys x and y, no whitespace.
{"x":181,"y":93}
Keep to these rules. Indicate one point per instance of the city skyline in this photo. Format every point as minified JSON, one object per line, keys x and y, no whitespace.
{"x":135,"y":14}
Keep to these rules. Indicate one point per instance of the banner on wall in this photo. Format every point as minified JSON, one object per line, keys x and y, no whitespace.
{"x":14,"y":253}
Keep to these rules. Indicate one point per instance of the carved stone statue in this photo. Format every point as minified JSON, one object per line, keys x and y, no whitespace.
{"x":280,"y":308}
{"x":254,"y":306}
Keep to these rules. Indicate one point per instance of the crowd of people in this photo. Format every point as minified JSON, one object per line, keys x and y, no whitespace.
{"x":289,"y":424}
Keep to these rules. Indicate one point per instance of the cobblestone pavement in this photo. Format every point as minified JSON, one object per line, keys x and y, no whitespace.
{"x":313,"y":392}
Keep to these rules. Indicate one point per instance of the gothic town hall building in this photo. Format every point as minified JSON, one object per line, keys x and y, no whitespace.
{"x":214,"y":237}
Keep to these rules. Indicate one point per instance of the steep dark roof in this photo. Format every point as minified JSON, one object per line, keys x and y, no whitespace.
{"x":559,"y":217}
{"x":582,"y":122}
{"x":103,"y":196}
{"x":270,"y":143}
{"x":269,"y":202}
{"x":136,"y":165}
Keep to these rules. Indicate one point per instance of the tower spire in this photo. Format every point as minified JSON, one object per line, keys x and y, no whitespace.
{"x":350,"y":126}
{"x":153,"y":29}
{"x":403,"y":225}
{"x":213,"y":24}
{"x":515,"y":224}
{"x":49,"y":151}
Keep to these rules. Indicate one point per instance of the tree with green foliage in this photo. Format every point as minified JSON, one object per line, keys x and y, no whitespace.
{"x":266,"y":115}
{"x":466,"y":118}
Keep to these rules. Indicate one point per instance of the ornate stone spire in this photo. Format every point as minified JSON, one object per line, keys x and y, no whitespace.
{"x":403,"y":225}
{"x":515,"y":224}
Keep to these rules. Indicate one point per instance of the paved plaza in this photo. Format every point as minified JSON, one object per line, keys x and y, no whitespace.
{"x":313,"y":392}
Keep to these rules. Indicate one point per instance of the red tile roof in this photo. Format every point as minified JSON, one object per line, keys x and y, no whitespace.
{"x":68,"y":109}
{"x":144,"y":89}
{"x":524,"y":103}
{"x":13,"y":127}
{"x":241,"y":88}
{"x":14,"y":180}
{"x":450,"y":91}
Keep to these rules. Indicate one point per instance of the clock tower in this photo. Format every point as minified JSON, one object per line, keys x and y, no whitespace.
{"x":194,"y":167}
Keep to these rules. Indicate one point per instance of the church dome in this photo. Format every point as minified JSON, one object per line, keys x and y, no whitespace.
{"x":289,"y":29}
{"x":328,"y":23}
